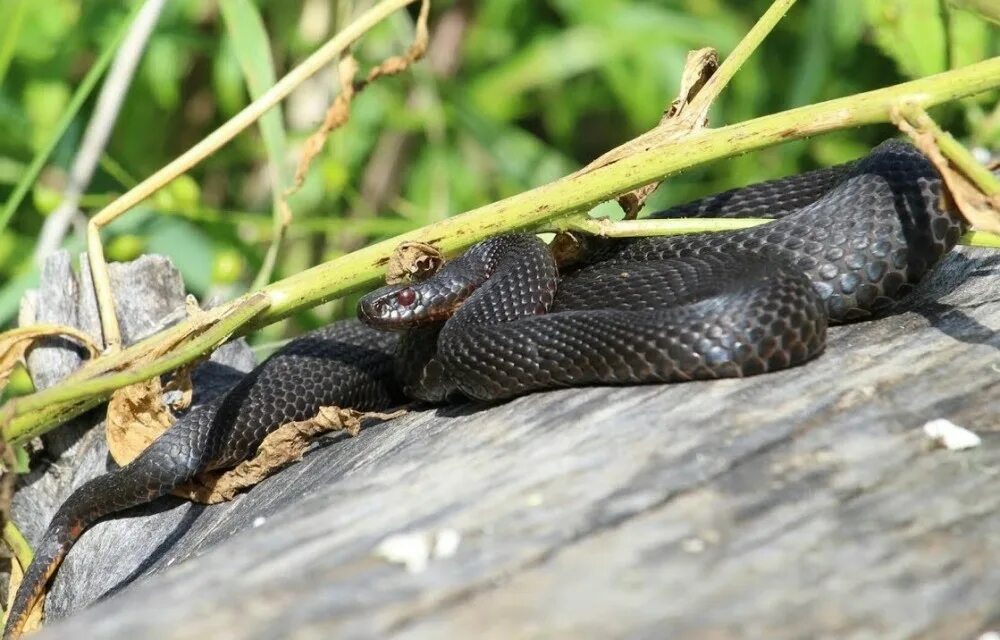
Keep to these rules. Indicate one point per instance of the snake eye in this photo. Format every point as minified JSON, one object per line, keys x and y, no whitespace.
{"x":406,"y":297}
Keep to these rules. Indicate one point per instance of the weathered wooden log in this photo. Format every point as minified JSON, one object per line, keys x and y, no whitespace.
{"x":800,"y":504}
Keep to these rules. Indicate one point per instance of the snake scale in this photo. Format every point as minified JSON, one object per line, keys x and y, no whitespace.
{"x":501,"y":321}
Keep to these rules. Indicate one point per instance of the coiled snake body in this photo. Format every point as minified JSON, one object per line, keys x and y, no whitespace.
{"x":500,"y":321}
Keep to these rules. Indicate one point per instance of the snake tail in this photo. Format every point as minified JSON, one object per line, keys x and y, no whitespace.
{"x":344,"y":364}
{"x":153,"y":474}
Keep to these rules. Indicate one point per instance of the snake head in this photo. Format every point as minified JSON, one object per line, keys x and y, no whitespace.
{"x":404,"y":306}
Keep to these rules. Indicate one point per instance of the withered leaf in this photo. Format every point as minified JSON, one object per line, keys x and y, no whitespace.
{"x":280,"y":448}
{"x":978,"y":209}
{"x":137,"y":415}
{"x":14,"y":344}
{"x":34,"y":620}
{"x":413,"y":261}
{"x":340,"y":111}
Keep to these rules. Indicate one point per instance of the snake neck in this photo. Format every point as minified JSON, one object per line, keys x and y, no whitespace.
{"x":519,"y":269}
{"x":419,"y":370}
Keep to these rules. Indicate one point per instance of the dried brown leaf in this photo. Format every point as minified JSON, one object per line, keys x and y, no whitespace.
{"x":340,"y":111}
{"x":416,"y":50}
{"x":700,"y":65}
{"x":15,"y":344}
{"x":137,"y":414}
{"x":978,"y":209}
{"x":34,"y":620}
{"x":280,"y":448}
{"x":413,"y":261}
{"x":336,"y":116}
{"x":180,"y":382}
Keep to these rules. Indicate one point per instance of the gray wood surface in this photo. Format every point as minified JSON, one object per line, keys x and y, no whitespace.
{"x":800,"y":504}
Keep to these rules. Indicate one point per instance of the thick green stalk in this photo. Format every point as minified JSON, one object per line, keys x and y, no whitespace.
{"x":32,"y":413}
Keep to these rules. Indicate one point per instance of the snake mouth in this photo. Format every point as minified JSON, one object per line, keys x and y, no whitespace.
{"x":376,"y":309}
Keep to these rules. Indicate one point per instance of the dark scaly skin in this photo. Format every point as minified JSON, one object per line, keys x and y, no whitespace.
{"x":499,"y":280}
{"x":851,"y":240}
{"x":345,"y":364}
{"x":707,"y":316}
{"x":864,"y":243}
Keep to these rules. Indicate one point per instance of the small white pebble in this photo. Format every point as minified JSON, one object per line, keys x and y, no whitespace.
{"x":414,"y":550}
{"x":951,"y":436}
{"x":693,"y":545}
{"x":990,"y":635}
{"x":446,"y":543}
{"x":411,"y":550}
{"x":259,"y":520}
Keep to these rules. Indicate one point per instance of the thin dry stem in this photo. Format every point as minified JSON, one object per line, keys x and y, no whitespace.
{"x":212,"y":143}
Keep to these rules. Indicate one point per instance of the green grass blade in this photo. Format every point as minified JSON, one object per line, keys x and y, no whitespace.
{"x":82,"y":93}
{"x":11,"y":17}
{"x":253,"y":50}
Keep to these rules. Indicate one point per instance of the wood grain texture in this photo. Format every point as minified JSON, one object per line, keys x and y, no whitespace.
{"x":799,"y":504}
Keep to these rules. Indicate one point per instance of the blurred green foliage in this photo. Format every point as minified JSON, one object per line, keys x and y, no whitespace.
{"x":513,"y":94}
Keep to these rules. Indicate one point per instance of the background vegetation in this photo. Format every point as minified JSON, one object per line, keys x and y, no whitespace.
{"x":513,"y":94}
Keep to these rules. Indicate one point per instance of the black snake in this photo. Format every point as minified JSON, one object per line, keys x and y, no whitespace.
{"x":501,"y":321}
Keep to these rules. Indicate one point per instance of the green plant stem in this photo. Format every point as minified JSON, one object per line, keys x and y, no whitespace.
{"x":79,"y":393}
{"x":14,"y":12}
{"x":646,"y":227}
{"x":714,"y":86}
{"x":79,"y":96}
{"x":17,"y":543}
{"x":527,"y":210}
{"x":679,"y":226}
{"x":980,"y":239}
{"x":952,"y":149}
